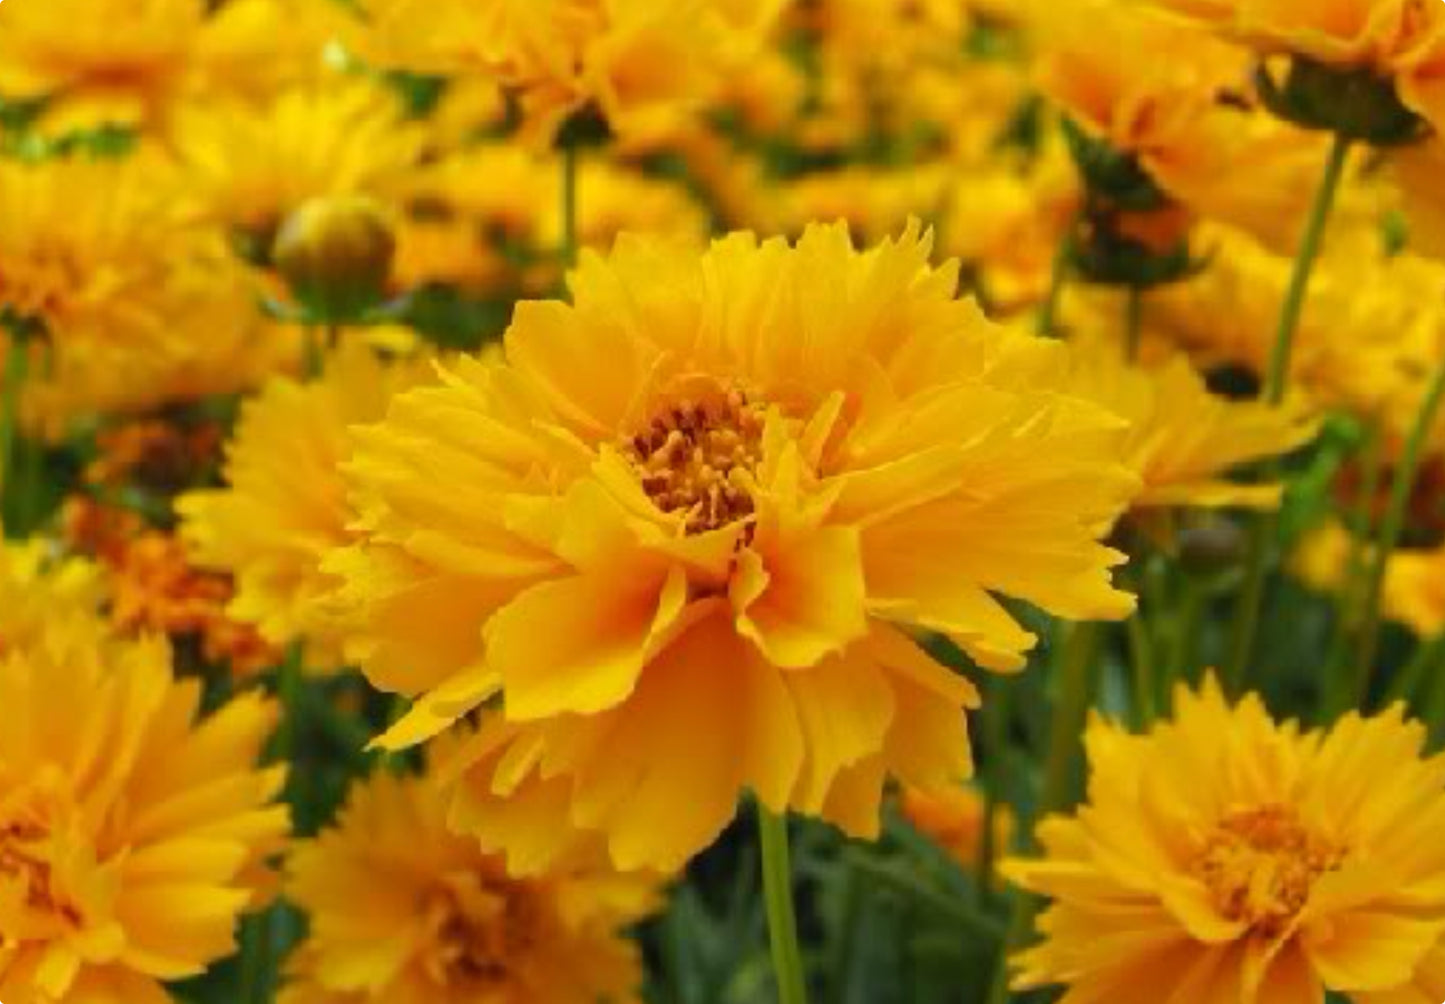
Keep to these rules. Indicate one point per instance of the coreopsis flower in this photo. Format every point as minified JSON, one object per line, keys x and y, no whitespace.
{"x":284,"y":504}
{"x":642,"y":65}
{"x":248,"y":166}
{"x":1184,"y":116}
{"x":1183,"y":439}
{"x":1223,"y":857}
{"x":87,"y":244}
{"x":405,"y":911}
{"x":106,"y":61}
{"x":132,"y":831}
{"x":1397,"y":43}
{"x":687,"y":525}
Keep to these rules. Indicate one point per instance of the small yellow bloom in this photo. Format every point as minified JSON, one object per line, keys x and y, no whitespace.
{"x":284,"y":506}
{"x":1398,"y":42}
{"x":1419,"y":170}
{"x":1222,"y":857}
{"x":132,"y":832}
{"x":1183,"y":439}
{"x":642,"y":65}
{"x":1185,"y":113}
{"x":684,"y":528}
{"x":248,"y":165}
{"x":403,"y":911}
{"x":38,"y":587}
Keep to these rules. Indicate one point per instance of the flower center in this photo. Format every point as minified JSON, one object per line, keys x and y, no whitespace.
{"x":26,"y":854}
{"x":1261,"y":864}
{"x":697,"y":458}
{"x":485,"y":926}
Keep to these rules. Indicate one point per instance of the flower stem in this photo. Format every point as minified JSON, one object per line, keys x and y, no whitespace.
{"x":1058,"y":279}
{"x":782,"y":921}
{"x":571,"y":158}
{"x":1391,"y":528}
{"x":1073,"y":679}
{"x":1266,"y":528}
{"x":1362,"y":532}
{"x":16,"y":361}
{"x":1412,"y":675}
{"x":1141,"y":663}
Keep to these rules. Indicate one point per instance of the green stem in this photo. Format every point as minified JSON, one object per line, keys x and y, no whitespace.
{"x":16,"y":362}
{"x":1412,"y":675}
{"x":841,"y":958}
{"x":1435,"y":709}
{"x":1133,"y":322}
{"x":1390,"y":530}
{"x":782,"y":921}
{"x":571,"y":159}
{"x":1362,"y":531}
{"x":1266,"y":529}
{"x":1186,"y":633}
{"x":1058,"y":279}
{"x":1071,"y":708}
{"x":1141,"y":663}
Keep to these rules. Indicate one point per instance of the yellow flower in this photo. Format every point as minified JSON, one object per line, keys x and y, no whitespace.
{"x":1183,"y":439}
{"x":284,"y":506}
{"x":106,"y":61}
{"x":249,"y":165}
{"x":1415,"y":590}
{"x":1223,"y":857}
{"x":1170,"y":113}
{"x":206,"y":337}
{"x":406,"y":912}
{"x":1397,"y":41}
{"x":87,"y":244}
{"x":132,"y":833}
{"x":644,"y":65}
{"x":684,"y":527}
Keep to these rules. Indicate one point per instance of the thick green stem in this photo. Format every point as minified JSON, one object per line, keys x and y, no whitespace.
{"x":571,"y":159}
{"x":1276,"y":382}
{"x":16,"y":361}
{"x":782,"y":921}
{"x":1391,"y":529}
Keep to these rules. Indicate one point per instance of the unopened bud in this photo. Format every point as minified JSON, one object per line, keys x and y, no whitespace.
{"x":336,"y":254}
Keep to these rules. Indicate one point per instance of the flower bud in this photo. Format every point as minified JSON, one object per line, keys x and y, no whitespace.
{"x":336,"y":254}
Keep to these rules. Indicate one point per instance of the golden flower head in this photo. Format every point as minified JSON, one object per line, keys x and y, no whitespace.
{"x":1185,"y":117}
{"x":696,"y":511}
{"x":284,"y":505}
{"x":39,"y":586}
{"x":107,"y":61}
{"x":132,"y":832}
{"x":638,"y":66}
{"x":406,"y":912}
{"x":249,"y":165}
{"x":1364,"y":67}
{"x":1183,"y":439}
{"x":1222,"y":857}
